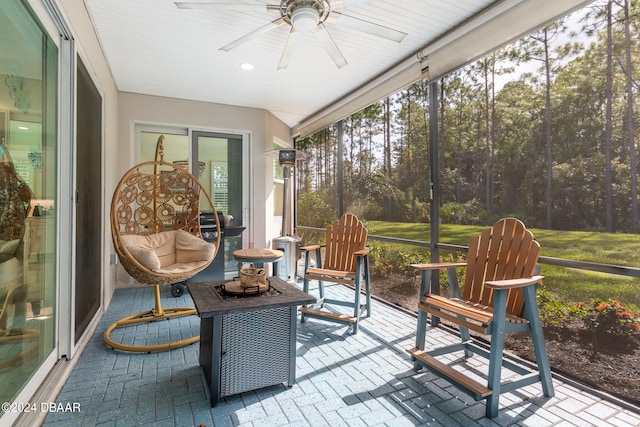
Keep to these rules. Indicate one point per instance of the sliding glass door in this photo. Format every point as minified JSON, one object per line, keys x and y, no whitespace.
{"x":216,"y":159}
{"x":28,"y":205}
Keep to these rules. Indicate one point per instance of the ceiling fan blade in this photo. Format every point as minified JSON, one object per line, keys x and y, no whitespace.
{"x":220,"y":6}
{"x":332,"y":48}
{"x":255,"y":33}
{"x":343,"y":4}
{"x":369,"y":27}
{"x":288,"y":48}
{"x":273,"y":8}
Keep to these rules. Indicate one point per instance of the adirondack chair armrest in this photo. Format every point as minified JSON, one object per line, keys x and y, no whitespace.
{"x":514,"y":283}
{"x":311,"y":247}
{"x":362,"y":252}
{"x":438,"y":265}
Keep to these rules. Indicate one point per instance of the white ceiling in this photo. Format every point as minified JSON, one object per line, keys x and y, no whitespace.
{"x":156,"y":48}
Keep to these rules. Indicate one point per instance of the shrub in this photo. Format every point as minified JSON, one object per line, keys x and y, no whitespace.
{"x":553,"y":312}
{"x":461,"y":213}
{"x":607,"y":316}
{"x":386,"y":259}
{"x":314,"y":211}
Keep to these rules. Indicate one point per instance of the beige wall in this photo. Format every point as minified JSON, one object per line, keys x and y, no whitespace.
{"x":261,"y":126}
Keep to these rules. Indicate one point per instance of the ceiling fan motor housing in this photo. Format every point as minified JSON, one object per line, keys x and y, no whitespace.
{"x":297,"y":13}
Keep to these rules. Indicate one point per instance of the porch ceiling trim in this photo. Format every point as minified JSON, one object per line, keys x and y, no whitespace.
{"x":493,"y":28}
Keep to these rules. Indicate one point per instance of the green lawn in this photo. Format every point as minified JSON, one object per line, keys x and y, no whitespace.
{"x":569,"y":284}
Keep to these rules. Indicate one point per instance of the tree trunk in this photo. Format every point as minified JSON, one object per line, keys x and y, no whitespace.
{"x":547,"y":68}
{"x":487,"y":137}
{"x":630,"y":124}
{"x":441,"y":133}
{"x":387,"y":147}
{"x":459,"y":150}
{"x":493,"y":132}
{"x":608,"y":126}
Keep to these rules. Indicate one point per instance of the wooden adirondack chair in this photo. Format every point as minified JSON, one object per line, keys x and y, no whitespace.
{"x":498,"y":297}
{"x":346,"y":261}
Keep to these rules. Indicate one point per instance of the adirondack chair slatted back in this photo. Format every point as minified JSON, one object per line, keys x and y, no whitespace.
{"x":345,"y":237}
{"x":505,"y":251}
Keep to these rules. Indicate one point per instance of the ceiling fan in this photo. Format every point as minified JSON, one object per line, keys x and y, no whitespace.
{"x":307,"y":16}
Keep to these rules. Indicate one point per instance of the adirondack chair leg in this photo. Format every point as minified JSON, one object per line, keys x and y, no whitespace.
{"x":320,"y":283}
{"x":497,"y":348}
{"x":422,"y":315}
{"x":307,"y":262}
{"x":305,"y":289}
{"x":455,"y":292}
{"x":362,"y":269}
{"x":321,"y":293}
{"x":305,"y":281}
{"x":540,"y":348}
{"x":421,"y":330}
{"x":367,"y":285}
{"x":356,"y":300}
{"x":465,"y":336}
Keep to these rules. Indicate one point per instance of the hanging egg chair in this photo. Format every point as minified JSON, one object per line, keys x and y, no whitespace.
{"x":155,"y":227}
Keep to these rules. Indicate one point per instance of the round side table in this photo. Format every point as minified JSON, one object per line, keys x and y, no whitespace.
{"x":256,"y":256}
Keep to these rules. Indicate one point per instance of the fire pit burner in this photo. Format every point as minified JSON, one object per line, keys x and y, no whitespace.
{"x":236,"y":290}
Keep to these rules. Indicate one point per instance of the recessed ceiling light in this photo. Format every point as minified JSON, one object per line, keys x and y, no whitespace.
{"x":246,"y":66}
{"x":23,"y":128}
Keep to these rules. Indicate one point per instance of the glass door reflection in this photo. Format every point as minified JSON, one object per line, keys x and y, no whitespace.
{"x":218,"y":158}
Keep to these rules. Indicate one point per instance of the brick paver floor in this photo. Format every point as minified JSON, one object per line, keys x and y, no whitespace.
{"x":365,"y":379}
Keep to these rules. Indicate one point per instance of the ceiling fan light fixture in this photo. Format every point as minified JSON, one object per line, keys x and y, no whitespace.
{"x":305,"y":18}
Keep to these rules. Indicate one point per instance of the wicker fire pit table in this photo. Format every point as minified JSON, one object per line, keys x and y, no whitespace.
{"x":247,"y":339}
